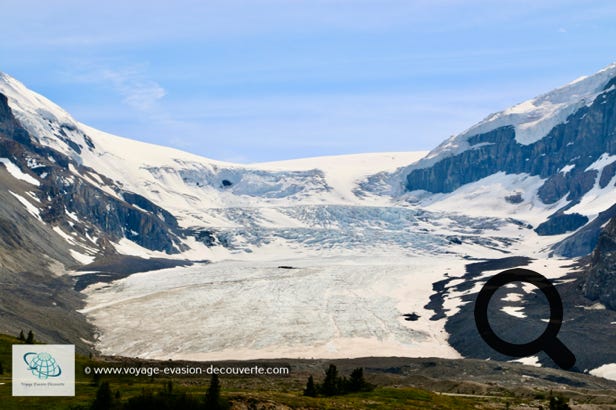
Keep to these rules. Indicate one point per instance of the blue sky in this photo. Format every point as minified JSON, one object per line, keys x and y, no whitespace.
{"x":261,"y":80}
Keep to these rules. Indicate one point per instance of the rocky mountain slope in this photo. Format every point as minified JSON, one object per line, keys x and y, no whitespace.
{"x":166,"y":202}
{"x":601,"y":282}
{"x":566,"y":139}
{"x":534,"y":181}
{"x":51,"y":220}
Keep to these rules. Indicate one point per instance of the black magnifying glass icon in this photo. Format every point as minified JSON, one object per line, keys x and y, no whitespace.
{"x":547,"y":342}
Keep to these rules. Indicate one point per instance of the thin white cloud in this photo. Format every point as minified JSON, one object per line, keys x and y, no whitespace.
{"x":131,"y":83}
{"x":140,"y":95}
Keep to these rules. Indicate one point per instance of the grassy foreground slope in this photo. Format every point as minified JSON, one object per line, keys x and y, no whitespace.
{"x":402,"y":383}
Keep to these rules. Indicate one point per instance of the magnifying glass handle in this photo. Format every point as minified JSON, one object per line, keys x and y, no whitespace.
{"x":561,"y":355}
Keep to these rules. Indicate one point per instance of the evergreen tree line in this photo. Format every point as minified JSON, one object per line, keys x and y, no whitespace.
{"x":334,"y":385}
{"x":29,"y":339}
{"x":165,"y":399}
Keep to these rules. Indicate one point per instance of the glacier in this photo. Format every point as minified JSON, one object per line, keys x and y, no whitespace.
{"x":315,"y":257}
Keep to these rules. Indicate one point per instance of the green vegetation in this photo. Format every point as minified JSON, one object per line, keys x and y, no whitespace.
{"x":213,"y":400}
{"x":133,"y":393}
{"x":164,"y":399}
{"x":380,"y":398}
{"x":333,"y":385}
{"x":30,"y":338}
{"x":311,"y":388}
{"x":130,"y":392}
{"x":104,"y":398}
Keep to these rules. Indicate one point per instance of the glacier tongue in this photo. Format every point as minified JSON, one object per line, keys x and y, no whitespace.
{"x":246,"y":310}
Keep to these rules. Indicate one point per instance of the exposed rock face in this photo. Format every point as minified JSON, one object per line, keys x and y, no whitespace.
{"x":8,"y":124}
{"x":601,"y":282}
{"x":63,"y":202}
{"x":563,"y":158}
{"x":98,"y":213}
{"x":561,"y":223}
{"x":584,"y":240}
{"x":580,"y":141}
{"x":586,"y":331}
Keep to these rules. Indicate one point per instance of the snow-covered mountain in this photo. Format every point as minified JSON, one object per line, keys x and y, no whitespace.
{"x":550,"y":161}
{"x":172,"y":202}
{"x":368,"y":237}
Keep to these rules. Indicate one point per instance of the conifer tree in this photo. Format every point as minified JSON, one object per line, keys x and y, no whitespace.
{"x":30,"y":338}
{"x":213,"y":401}
{"x":311,"y":389}
{"x":21,"y":336}
{"x":104,"y":398}
{"x":357,"y":381}
{"x":330,"y":385}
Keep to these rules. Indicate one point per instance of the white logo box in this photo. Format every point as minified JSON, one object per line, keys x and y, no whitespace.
{"x":43,"y":370}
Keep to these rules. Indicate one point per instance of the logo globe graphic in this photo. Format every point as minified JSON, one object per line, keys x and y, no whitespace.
{"x":42,"y":365}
